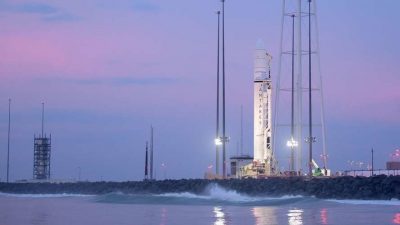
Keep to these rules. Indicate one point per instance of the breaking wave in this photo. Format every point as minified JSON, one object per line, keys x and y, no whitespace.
{"x":212,"y":195}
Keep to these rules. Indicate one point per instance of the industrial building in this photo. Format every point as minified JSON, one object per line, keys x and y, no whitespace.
{"x":238,"y":164}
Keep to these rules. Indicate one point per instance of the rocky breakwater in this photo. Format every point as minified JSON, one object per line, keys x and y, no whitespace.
{"x":376,"y":187}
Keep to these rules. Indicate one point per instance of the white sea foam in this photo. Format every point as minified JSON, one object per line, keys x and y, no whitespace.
{"x":216,"y":192}
{"x":367,"y":202}
{"x":184,"y":195}
{"x":43,"y":195}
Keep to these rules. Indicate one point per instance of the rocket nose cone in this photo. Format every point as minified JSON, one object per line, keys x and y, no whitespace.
{"x":260,"y":44}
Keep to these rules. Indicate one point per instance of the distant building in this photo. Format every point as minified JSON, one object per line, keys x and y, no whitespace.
{"x":393,"y":165}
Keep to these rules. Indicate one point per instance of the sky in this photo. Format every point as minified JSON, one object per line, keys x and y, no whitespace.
{"x":108,"y":70}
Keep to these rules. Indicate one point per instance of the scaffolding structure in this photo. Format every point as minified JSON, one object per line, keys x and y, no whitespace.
{"x":41,"y":158}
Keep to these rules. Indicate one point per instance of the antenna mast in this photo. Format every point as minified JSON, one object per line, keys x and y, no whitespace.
{"x":8,"y":142}
{"x":146,"y":163}
{"x":241,"y":129}
{"x":151,"y":153}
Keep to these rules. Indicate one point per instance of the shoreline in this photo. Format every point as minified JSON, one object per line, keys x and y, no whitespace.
{"x":379,"y":187}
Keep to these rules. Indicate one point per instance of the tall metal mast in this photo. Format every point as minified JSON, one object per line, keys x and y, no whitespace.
{"x":224,"y":139}
{"x":310,"y":137}
{"x":217,"y":125}
{"x":299,"y":84}
{"x":49,"y":173}
{"x":241,"y":129}
{"x":8,"y":142}
{"x":146,"y":163}
{"x":321,"y":92}
{"x":292,"y":145}
{"x":151,"y":153}
{"x":278,"y":82}
{"x":42,"y":119}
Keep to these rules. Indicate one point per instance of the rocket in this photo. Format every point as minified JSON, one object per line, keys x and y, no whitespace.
{"x":262,"y":108}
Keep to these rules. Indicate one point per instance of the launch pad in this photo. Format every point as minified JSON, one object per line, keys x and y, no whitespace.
{"x":268,"y":135}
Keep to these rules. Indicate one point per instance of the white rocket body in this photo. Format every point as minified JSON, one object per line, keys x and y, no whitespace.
{"x":262,"y":108}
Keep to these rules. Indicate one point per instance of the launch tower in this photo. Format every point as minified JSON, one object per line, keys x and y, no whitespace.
{"x":308,"y":102}
{"x":41,"y":154}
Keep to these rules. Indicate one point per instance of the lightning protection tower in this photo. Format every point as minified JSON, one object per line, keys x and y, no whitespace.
{"x":299,"y":40}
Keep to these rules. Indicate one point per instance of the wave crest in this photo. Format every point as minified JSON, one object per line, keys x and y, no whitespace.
{"x":212,"y":195}
{"x":63,"y":195}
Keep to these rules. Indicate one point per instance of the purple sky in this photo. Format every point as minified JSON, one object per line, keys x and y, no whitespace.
{"x":107,"y":70}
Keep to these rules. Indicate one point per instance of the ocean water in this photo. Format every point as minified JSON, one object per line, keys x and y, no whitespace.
{"x":215,"y":206}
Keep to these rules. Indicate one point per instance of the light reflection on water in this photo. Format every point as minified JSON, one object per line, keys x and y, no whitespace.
{"x":219,"y":216}
{"x":396,"y":219}
{"x":324,"y":216}
{"x":295,"y":216}
{"x":50,"y":211}
{"x":39,"y":218}
{"x":163,"y":216}
{"x":264,"y":215}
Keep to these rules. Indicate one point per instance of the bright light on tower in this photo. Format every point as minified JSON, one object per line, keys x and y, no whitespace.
{"x":292,"y":143}
{"x":218,"y":141}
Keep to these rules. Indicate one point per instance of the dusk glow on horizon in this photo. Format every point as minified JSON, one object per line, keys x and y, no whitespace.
{"x":108,"y":70}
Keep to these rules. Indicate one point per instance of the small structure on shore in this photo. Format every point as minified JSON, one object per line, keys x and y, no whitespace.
{"x":238,"y":165}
